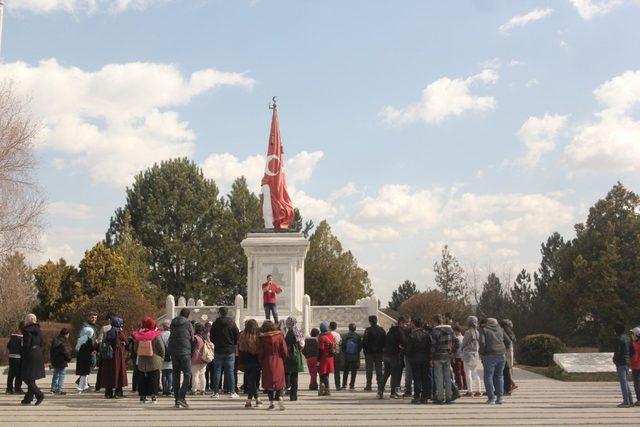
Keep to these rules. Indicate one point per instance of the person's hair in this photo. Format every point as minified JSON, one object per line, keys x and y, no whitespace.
{"x":619,"y":328}
{"x":198,"y":328}
{"x":483,"y":321}
{"x":448,"y":315}
{"x":437,"y":319}
{"x":267,"y":326}
{"x":333,"y":326}
{"x":373,"y":319}
{"x":166,"y":324}
{"x":352,"y":327}
{"x":64,"y":331}
{"x":251,"y":327}
{"x":456,"y":328}
{"x":402,"y":319}
{"x":417,"y":322}
{"x":21,"y":325}
{"x":108,"y":317}
{"x":268,"y":275}
{"x":222,"y":311}
{"x":92,"y":313}
{"x":30,"y":319}
{"x":315,"y":332}
{"x":185,"y":312}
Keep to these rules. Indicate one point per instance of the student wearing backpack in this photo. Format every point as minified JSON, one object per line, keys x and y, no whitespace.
{"x":150,"y":350}
{"x":167,"y":368}
{"x":60,"y":356}
{"x":326,"y":352}
{"x":351,"y":347}
{"x":294,"y":339}
{"x":198,"y":364}
{"x":114,"y":365}
{"x":310,"y":352}
{"x":14,"y":349}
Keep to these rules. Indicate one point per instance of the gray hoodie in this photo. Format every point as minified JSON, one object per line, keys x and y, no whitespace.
{"x":493,"y":340}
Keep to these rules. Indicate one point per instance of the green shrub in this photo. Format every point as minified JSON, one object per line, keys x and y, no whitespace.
{"x":538,"y":350}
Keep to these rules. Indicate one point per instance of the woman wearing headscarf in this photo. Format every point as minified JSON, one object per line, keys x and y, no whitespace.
{"x":32,"y":368}
{"x":85,"y":352}
{"x":294,"y":338}
{"x":114,"y":368}
{"x":509,"y":385}
{"x":326,"y":353}
{"x":198,"y":365}
{"x":272,"y":351}
{"x":150,"y":350}
{"x":471,"y":357}
{"x":249,"y":360}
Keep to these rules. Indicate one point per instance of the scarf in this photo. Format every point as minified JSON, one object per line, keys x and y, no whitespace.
{"x":292,"y":325}
{"x":116,"y":327}
{"x":148,"y":331}
{"x":86,"y":333}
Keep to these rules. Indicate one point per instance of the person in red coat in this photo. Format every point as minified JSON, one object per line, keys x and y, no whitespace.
{"x":114,"y":370}
{"x":326,"y":352}
{"x":272,"y":354}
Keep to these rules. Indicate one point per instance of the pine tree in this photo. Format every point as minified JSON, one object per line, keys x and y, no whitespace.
{"x":450,"y":277}
{"x":405,"y":291}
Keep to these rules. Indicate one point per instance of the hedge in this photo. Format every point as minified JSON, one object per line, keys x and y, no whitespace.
{"x":538,"y":350}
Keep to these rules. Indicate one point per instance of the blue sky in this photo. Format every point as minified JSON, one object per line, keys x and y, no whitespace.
{"x":485,"y":125}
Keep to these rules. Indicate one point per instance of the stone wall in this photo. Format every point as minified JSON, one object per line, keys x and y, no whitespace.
{"x":341,"y":314}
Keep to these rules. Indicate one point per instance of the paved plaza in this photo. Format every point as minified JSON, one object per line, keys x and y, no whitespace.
{"x":538,"y":401}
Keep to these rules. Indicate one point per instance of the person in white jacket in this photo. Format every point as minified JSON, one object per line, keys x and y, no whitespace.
{"x":471,"y":357}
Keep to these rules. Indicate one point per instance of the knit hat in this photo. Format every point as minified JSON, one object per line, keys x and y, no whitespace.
{"x":324,"y":327}
{"x":472,"y":321}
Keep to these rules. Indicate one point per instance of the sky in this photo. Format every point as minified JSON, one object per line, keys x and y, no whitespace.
{"x":485,"y":125}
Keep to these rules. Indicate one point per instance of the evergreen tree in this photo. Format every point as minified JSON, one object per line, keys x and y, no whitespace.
{"x":494,"y":301}
{"x":331,"y":275}
{"x":57,"y":284}
{"x":450,"y":277}
{"x":405,"y":291}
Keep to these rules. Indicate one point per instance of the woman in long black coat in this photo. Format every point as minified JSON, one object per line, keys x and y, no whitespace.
{"x":32,"y":359}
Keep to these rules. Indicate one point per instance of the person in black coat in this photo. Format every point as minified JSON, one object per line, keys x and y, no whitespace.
{"x":14,"y":350}
{"x":32,"y":359}
{"x":60,"y":357}
{"x":418,"y":352}
{"x":373,"y":344}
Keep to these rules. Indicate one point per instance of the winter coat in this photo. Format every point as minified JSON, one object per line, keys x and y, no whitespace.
{"x":419,"y":345}
{"x":326,"y":363}
{"x":441,"y":342}
{"x":114,"y":371}
{"x":224,"y":336}
{"x":310,"y":347}
{"x":635,"y":359}
{"x":14,"y":346}
{"x":352,"y":337}
{"x":493,"y":341}
{"x":470,"y":346}
{"x":32,"y":367}
{"x":196,"y":357}
{"x":395,"y":341}
{"x":166,"y":362}
{"x":373,"y":340}
{"x":60,"y":352}
{"x":293,"y":363}
{"x":273,"y":352}
{"x":85,"y":348}
{"x":622,"y":351}
{"x":151,"y":363}
{"x":181,"y":338}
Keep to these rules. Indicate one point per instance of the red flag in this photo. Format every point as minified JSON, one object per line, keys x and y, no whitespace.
{"x":277,"y":209}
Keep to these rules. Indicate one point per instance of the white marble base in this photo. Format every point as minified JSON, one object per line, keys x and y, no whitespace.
{"x":585,"y":362}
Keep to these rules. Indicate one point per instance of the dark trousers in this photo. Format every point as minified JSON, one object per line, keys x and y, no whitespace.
{"x":208,"y":376}
{"x":251,"y":375}
{"x":135,"y":378}
{"x":292,"y":380}
{"x":148,"y":383}
{"x":181,"y":368}
{"x":274,"y":395}
{"x":167,"y":381}
{"x":338,"y":361}
{"x":350,"y":367}
{"x":269,"y":309}
{"x":393,"y":369}
{"x":32,"y":391}
{"x":324,"y":379}
{"x":14,"y":377}
{"x":635,"y":374}
{"x":108,"y":392}
{"x":507,"y":378}
{"x":372,"y":360}
{"x":421,"y":371}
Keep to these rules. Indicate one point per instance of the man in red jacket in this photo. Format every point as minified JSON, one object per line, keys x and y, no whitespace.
{"x":269,"y":293}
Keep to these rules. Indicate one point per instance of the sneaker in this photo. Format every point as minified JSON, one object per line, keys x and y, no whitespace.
{"x":234,"y":395}
{"x":468,"y":394}
{"x":183,"y":403}
{"x":352,"y":388}
{"x":143,"y":400}
{"x":499,"y":401}
{"x":395,"y":396}
{"x":367,"y":388}
{"x":321,"y":390}
{"x":379,"y":395}
{"x":624,"y":405}
{"x":490,"y":402}
{"x":438,"y":402}
{"x":271,"y":406}
{"x":258,"y":402}
{"x":477,"y":394}
{"x":281,"y":404}
{"x":177,"y":405}
{"x":415,"y":401}
{"x":406,"y":394}
{"x":247,"y":404}
{"x":40,"y":399}
{"x":215,"y":396}
{"x":154,"y":400}
{"x":448,"y":401}
{"x":637,"y":403}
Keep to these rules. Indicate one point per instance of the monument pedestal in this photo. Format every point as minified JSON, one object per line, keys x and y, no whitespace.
{"x":282,"y":255}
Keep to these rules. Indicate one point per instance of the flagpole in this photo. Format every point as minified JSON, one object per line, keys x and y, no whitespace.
{"x":1,"y":15}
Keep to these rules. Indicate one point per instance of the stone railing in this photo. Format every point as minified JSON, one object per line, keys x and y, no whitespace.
{"x":204,"y":313}
{"x":341,"y":314}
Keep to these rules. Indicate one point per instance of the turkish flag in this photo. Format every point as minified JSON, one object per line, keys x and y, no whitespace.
{"x":277,"y":209}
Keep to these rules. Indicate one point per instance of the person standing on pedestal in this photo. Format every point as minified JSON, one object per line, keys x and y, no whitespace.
{"x":270,"y":291}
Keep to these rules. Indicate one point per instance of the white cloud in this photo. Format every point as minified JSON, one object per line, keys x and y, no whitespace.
{"x":80,"y":6}
{"x":538,"y":135}
{"x":64,"y":242}
{"x":443,"y":98}
{"x":587,"y":9}
{"x":114,"y":122}
{"x":224,"y":168}
{"x":612,"y":142}
{"x":312,"y":208}
{"x":531,"y":83}
{"x":347,"y":190}
{"x":522,"y":20}
{"x":359,"y":234}
{"x":69,"y":210}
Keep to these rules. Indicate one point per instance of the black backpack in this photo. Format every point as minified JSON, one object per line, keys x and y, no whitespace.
{"x":106,"y":350}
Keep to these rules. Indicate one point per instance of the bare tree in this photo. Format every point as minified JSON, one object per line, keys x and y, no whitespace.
{"x":18,"y":293}
{"x":21,"y":201}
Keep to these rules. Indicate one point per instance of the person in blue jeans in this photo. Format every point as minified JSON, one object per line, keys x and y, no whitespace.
{"x":60,"y":353}
{"x":224,"y":336}
{"x":494,"y":343}
{"x":270,"y":293}
{"x":622,"y":359}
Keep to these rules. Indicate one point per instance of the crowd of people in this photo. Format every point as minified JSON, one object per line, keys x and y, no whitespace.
{"x":439,"y":359}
